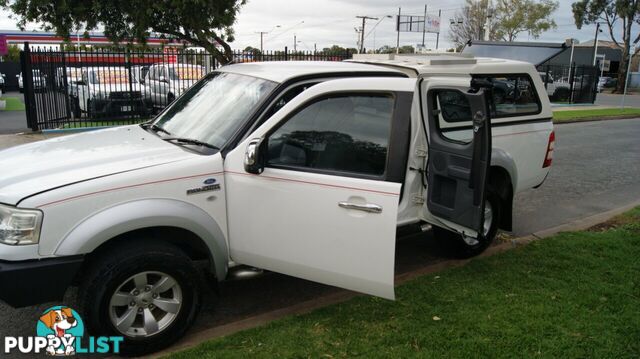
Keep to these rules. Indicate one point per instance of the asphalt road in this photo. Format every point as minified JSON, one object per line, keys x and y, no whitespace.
{"x":596,"y":168}
{"x":13,"y":121}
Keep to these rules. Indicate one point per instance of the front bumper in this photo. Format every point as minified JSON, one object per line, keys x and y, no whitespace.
{"x":31,"y":282}
{"x":119,"y":107}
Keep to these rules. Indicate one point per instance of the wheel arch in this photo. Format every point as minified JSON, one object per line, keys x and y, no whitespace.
{"x":164,"y":219}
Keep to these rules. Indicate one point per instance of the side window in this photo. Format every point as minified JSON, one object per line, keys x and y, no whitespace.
{"x":346,"y":133}
{"x":152,"y":73}
{"x":513,"y":95}
{"x":454,"y":115}
{"x":163,"y":72}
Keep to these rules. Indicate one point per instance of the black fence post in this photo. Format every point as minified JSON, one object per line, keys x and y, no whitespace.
{"x":286,"y":53}
{"x":27,"y":87}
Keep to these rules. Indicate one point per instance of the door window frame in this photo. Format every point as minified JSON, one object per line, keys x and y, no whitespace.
{"x":397,"y":123}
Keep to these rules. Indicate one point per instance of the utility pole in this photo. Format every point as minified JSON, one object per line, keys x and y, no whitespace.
{"x":364,"y":22}
{"x":262,"y":33}
{"x":398,"y":29}
{"x":487,"y":22}
{"x":627,"y":76}
{"x":438,"y":35}
{"x":424,"y":25}
{"x":295,"y":42}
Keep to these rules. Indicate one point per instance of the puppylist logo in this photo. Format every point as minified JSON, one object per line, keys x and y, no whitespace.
{"x":60,"y":332}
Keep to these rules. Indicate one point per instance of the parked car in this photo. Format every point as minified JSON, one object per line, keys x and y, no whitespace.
{"x":72,"y":74}
{"x":2,"y":83}
{"x":104,"y":91}
{"x":39,"y":81}
{"x":301,"y":168}
{"x":165,"y":82}
{"x":557,"y":90}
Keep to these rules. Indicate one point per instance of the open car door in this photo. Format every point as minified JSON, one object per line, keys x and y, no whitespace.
{"x":457,"y":166}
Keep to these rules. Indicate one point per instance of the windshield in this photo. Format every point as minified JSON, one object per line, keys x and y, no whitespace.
{"x":186,"y":73}
{"x":213,"y":109}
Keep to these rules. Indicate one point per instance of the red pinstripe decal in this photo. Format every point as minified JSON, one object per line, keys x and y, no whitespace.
{"x":313,"y":183}
{"x":125,"y":187}
{"x":212,"y":174}
{"x":520,"y":133}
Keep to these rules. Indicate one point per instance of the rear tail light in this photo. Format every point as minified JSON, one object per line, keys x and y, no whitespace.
{"x":548,"y":158}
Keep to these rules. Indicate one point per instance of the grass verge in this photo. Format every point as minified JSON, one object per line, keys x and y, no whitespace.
{"x":573,"y":115}
{"x":13,"y":104}
{"x":573,"y":295}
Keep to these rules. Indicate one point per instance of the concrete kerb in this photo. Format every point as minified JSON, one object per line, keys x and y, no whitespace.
{"x":342,"y":296}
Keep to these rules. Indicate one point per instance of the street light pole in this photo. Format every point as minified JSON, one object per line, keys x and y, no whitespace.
{"x":595,"y":44}
{"x":626,"y":80}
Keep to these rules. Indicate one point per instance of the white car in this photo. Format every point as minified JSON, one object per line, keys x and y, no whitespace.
{"x":166,"y":82}
{"x":108,"y":91}
{"x":557,"y":90}
{"x":39,"y":81}
{"x":2,"y":83}
{"x":301,"y":168}
{"x":72,"y":74}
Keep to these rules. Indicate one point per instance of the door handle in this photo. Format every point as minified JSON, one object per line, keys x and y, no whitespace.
{"x":368,"y":207}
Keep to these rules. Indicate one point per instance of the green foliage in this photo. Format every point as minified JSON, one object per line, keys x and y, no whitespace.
{"x":516,"y":16}
{"x":13,"y":54}
{"x":610,"y":13}
{"x":505,"y":22}
{"x":407,"y":49}
{"x":204,"y":23}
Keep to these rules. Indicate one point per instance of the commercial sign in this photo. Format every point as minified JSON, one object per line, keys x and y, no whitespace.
{"x":409,"y":23}
{"x":4,"y":49}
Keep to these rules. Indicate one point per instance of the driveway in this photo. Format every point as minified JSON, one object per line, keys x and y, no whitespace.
{"x":596,"y":168}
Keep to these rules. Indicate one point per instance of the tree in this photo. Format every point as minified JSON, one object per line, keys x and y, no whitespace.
{"x":505,"y":22}
{"x":609,"y":12}
{"x":516,"y":16}
{"x":469,"y":23}
{"x":13,"y":54}
{"x":204,"y":23}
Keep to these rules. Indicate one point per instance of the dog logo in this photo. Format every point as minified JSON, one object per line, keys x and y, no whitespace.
{"x":61,"y":326}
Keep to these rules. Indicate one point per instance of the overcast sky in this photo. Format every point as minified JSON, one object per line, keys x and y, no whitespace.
{"x":328,"y":22}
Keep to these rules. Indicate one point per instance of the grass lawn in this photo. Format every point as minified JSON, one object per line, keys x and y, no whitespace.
{"x":575,"y":295}
{"x":559,"y":116}
{"x":13,"y":104}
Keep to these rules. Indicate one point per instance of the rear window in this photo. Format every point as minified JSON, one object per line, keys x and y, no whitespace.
{"x":513,"y":95}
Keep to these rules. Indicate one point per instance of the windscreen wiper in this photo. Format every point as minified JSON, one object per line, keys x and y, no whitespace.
{"x":190,"y":141}
{"x":155,"y":128}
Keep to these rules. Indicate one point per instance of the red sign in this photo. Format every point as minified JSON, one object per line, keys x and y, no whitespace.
{"x":4,"y":49}
{"x":170,"y":55}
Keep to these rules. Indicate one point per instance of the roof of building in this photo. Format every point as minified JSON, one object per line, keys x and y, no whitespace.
{"x":601,"y":43}
{"x":281,"y":71}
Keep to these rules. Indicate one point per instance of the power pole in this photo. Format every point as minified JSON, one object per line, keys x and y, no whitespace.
{"x":438,"y":35}
{"x":295,"y":43}
{"x":398,"y":29}
{"x":364,"y":22}
{"x":262,"y":33}
{"x":424,"y":25}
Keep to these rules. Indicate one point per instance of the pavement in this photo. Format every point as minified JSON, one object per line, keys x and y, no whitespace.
{"x":13,"y":121}
{"x":596,"y":169}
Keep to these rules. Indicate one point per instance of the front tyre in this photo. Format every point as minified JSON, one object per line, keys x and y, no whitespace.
{"x":148,"y":293}
{"x":460,"y":246}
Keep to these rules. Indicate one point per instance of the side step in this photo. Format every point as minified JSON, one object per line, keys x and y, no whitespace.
{"x":242,"y":272}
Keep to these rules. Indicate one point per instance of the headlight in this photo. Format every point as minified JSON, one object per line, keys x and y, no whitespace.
{"x":19,"y":226}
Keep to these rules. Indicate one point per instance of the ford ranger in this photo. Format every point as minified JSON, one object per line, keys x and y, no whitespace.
{"x":301,"y":168}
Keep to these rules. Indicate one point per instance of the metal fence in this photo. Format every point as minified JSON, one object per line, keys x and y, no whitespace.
{"x":575,"y":84}
{"x":70,"y":89}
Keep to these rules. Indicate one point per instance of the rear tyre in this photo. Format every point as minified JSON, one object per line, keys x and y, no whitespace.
{"x":458,"y":246}
{"x":147,"y":292}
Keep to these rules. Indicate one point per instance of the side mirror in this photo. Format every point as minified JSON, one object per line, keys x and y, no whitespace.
{"x":254,"y":156}
{"x":163,"y":79}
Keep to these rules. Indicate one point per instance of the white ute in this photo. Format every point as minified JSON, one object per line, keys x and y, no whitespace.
{"x":302,"y":168}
